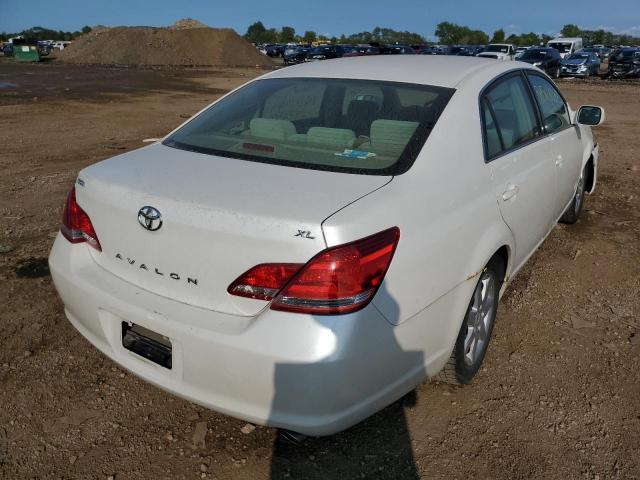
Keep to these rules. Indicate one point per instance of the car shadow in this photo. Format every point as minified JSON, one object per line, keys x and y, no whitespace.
{"x":378,"y":447}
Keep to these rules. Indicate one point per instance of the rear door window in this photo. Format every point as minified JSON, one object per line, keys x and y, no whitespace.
{"x":509,"y":116}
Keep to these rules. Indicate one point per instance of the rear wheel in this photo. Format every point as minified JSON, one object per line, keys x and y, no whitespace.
{"x":477,"y":326}
{"x":573,"y":211}
{"x":556,"y":72}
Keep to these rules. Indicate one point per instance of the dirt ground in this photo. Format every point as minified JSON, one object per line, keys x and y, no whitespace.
{"x":558,"y":397}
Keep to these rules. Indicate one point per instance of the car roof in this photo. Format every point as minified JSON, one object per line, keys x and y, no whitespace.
{"x":436,"y":70}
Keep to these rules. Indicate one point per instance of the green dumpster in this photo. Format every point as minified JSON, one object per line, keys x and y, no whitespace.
{"x":26,"y":50}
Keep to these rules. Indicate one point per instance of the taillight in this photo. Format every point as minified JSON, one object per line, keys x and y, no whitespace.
{"x":340,"y":279}
{"x":263,"y":282}
{"x":76,"y":224}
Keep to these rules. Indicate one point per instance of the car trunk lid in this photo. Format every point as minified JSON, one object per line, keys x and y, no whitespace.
{"x":220,"y":217}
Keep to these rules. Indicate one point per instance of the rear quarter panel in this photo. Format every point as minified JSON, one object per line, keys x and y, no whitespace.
{"x":449,"y":220}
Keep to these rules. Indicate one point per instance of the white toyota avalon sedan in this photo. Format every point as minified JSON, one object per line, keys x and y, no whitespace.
{"x":316,"y":243}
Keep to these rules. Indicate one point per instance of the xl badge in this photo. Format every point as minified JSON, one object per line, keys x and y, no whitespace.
{"x":150,"y":218}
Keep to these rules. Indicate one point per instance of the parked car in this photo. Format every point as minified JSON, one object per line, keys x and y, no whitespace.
{"x":429,"y":50}
{"x":624,"y":63}
{"x":520,"y":51}
{"x":7,"y":49}
{"x":597,"y":51}
{"x":275,"y":50}
{"x":396,"y":50}
{"x":292,"y":275}
{"x":547,"y":59}
{"x":325,"y":52}
{"x":361,"y":51}
{"x":499,"y":51}
{"x":293,"y":56}
{"x":580,"y":64}
{"x":474,"y":50}
{"x":454,"y":50}
{"x":565,"y":45}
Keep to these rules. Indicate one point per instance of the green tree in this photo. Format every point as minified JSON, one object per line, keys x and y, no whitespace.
{"x":475,"y":37}
{"x":571,"y":30}
{"x":527,"y":39}
{"x":86,"y":29}
{"x":255,"y":32}
{"x":287,"y":34}
{"x":450,"y":33}
{"x":271,"y":36}
{"x":309,"y":36}
{"x":498,"y":36}
{"x":625,"y":40}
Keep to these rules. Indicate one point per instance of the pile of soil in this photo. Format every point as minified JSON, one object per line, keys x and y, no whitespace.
{"x":187,"y":43}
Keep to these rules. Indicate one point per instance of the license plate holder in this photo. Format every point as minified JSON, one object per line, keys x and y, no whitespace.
{"x":147,"y":344}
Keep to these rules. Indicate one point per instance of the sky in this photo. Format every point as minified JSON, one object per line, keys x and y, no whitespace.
{"x":329,"y":17}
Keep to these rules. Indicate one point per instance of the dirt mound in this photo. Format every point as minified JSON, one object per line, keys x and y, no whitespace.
{"x":185,"y":44}
{"x":186,"y":23}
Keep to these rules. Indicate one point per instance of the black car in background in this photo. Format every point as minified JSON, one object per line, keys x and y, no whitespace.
{"x":580,"y":64}
{"x":396,"y":50}
{"x":547,"y":59}
{"x":275,"y":50}
{"x":295,"y":55}
{"x":361,"y":51}
{"x":325,"y":52}
{"x":624,"y":63}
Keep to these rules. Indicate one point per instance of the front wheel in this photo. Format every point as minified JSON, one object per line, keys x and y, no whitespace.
{"x":573,"y":211}
{"x":556,"y":73}
{"x":477,"y":326}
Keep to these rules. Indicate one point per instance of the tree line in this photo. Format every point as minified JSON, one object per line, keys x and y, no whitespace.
{"x":448,"y":34}
{"x":40,"y":33}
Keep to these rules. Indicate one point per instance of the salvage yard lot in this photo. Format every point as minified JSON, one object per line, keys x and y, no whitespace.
{"x":558,"y":396}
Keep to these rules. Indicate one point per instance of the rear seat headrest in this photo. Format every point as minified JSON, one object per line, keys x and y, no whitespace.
{"x":272,"y":128}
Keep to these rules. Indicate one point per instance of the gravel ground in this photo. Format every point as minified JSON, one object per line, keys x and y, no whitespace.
{"x":558,"y":397}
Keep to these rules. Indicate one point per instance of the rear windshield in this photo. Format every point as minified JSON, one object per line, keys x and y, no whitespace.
{"x":352,"y":126}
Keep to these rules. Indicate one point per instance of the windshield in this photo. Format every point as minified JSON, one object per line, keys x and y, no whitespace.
{"x":353,"y":126}
{"x":533,"y":54}
{"x":561,"y":47}
{"x":497,"y":48}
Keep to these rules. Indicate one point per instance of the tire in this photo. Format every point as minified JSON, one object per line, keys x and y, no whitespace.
{"x":556,"y":73}
{"x":573,"y":211}
{"x":477,"y":326}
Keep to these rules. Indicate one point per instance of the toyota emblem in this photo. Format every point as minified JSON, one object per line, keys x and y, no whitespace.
{"x":150,"y":218}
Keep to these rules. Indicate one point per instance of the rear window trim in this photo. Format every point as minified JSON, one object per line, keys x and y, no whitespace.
{"x":404,"y":162}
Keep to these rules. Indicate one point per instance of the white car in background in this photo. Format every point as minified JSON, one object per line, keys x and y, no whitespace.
{"x":499,"y":51}
{"x":316,"y":243}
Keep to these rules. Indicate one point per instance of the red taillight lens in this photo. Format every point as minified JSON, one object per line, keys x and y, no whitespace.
{"x":76,"y":224}
{"x":338,"y":280}
{"x":263,"y":282}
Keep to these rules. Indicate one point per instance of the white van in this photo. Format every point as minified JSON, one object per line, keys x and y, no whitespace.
{"x":566,"y":46}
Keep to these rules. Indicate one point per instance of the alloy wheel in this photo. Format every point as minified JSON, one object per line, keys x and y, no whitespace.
{"x":480,"y":318}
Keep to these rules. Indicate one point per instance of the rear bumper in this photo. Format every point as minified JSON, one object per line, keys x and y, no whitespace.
{"x":314,"y":375}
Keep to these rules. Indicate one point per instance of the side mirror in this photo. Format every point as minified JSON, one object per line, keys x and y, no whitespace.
{"x":590,"y":115}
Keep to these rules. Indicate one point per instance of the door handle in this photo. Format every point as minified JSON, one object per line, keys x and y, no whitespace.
{"x":510,"y":192}
{"x":559,"y":161}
